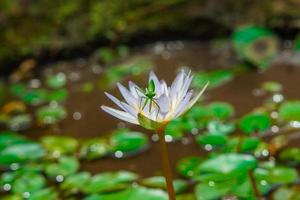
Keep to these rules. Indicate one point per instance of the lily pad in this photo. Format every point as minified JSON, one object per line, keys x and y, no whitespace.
{"x":75,"y":182}
{"x":59,"y":95}
{"x":212,"y":191}
{"x":95,"y":148}
{"x":215,"y":78}
{"x":215,"y":140}
{"x":56,"y":81}
{"x":13,"y":107}
{"x":230,"y":163}
{"x":290,"y":155}
{"x":110,"y":181}
{"x":22,"y":152}
{"x":28,"y":182}
{"x":287,"y":193}
{"x":272,"y":86}
{"x":277,"y":175}
{"x":46,"y":193}
{"x":59,"y":145}
{"x":20,"y":122}
{"x":160,"y":182}
{"x":35,"y":97}
{"x":189,"y":166}
{"x":65,"y":166}
{"x":17,"y":89}
{"x":221,"y":110}
{"x":221,"y":128}
{"x":255,"y":122}
{"x":290,"y":111}
{"x":128,"y":143}
{"x":132,"y":193}
{"x":9,"y":138}
{"x":50,"y":114}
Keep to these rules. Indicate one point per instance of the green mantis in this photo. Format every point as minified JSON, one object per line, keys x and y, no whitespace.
{"x":149,"y":96}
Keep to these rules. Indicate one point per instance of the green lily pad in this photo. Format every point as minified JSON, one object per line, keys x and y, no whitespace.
{"x":277,"y":175}
{"x":59,"y":145}
{"x":17,"y":89}
{"x":50,"y":114}
{"x":28,"y":182}
{"x":20,"y":122}
{"x":128,"y":143}
{"x":46,"y":193}
{"x":272,"y":86}
{"x":22,"y":152}
{"x":212,"y":191}
{"x":175,"y":129}
{"x":59,"y":95}
{"x":9,"y":138}
{"x":57,"y":81}
{"x":35,"y":97}
{"x":160,"y":182}
{"x":215,"y":140}
{"x":95,"y":148}
{"x":215,"y":78}
{"x":255,"y":122}
{"x":287,"y":193}
{"x":110,"y":181}
{"x":75,"y":182}
{"x":189,"y":196}
{"x":290,"y":155}
{"x":189,"y":166}
{"x":65,"y":166}
{"x":12,"y":197}
{"x":221,"y":110}
{"x":221,"y":128}
{"x":230,"y":163}
{"x":133,"y":193}
{"x":290,"y":111}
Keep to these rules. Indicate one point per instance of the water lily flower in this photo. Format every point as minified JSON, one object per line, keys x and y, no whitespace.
{"x":166,"y":103}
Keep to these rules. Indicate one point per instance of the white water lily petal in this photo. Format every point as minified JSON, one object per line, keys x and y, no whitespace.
{"x":194,"y":100}
{"x":183,"y":104}
{"x":134,"y":89}
{"x":130,"y":99}
{"x":129,"y":109}
{"x":114,"y":99}
{"x":120,"y":114}
{"x":163,"y":103}
{"x":177,"y":84}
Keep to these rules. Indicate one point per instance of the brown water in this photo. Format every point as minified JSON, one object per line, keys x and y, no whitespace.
{"x":95,"y":122}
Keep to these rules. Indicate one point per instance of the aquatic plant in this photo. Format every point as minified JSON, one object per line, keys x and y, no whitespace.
{"x":154,"y":107}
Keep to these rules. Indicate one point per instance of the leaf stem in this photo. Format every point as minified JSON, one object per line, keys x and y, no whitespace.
{"x":165,"y":162}
{"x":254,"y":185}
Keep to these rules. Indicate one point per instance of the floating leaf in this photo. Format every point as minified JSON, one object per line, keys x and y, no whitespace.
{"x":22,"y":152}
{"x":20,"y":122}
{"x":175,"y":129}
{"x":277,"y":175}
{"x":272,"y":86}
{"x":286,"y":193}
{"x":230,"y":163}
{"x":28,"y":182}
{"x":65,"y":166}
{"x":110,"y":181}
{"x":75,"y":182}
{"x":133,"y":193}
{"x":46,"y":193}
{"x":95,"y":148}
{"x":13,"y":107}
{"x":255,"y":122}
{"x":221,"y":110}
{"x":290,"y":155}
{"x":214,"y":140}
{"x":189,"y":166}
{"x":290,"y":111}
{"x":219,"y":128}
{"x":160,"y":182}
{"x":56,"y":81}
{"x":17,"y":89}
{"x":128,"y":142}
{"x":9,"y":138}
{"x":213,"y":191}
{"x":58,"y":95}
{"x":59,"y":145}
{"x":35,"y":97}
{"x":215,"y":78}
{"x":50,"y":114}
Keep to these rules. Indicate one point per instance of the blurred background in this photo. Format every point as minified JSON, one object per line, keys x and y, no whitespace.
{"x":241,"y":141}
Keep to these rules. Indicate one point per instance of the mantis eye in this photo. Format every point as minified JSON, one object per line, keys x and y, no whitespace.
{"x":151,"y":86}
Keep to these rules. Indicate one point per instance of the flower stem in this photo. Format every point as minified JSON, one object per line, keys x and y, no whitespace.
{"x":166,"y":163}
{"x":254,"y":186}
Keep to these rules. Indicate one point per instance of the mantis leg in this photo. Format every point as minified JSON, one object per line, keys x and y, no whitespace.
{"x":158,"y":110}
